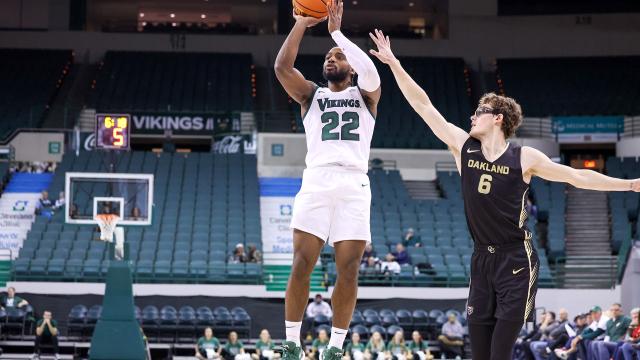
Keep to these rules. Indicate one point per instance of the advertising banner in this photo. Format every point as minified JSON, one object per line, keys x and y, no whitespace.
{"x":588,"y":129}
{"x":276,"y":207}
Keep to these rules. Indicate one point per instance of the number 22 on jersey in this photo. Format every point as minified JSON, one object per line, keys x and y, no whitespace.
{"x":331,"y":120}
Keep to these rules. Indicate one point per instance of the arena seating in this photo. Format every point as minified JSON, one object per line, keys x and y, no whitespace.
{"x":166,"y":323}
{"x":30,"y":79}
{"x":623,"y":206}
{"x":550,"y":199}
{"x":397,"y":125}
{"x":204,"y":205}
{"x":441,"y":225}
{"x":528,"y":80}
{"x":173,"y":82}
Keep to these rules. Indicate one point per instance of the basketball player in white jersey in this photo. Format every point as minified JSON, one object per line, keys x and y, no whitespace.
{"x":334,"y":202}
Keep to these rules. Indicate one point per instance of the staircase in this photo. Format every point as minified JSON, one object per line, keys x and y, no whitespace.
{"x":423,"y":190}
{"x":87,"y":120}
{"x":589,"y":262}
{"x":277,"y":276}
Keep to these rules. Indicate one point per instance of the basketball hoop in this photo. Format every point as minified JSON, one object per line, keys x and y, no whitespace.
{"x":107,"y":223}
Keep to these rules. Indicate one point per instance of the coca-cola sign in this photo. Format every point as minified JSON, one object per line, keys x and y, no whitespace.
{"x":235,"y":144}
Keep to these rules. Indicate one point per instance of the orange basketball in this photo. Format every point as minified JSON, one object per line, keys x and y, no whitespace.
{"x":313,"y":8}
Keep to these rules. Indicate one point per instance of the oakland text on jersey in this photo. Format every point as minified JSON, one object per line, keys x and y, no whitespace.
{"x":327,"y":103}
{"x":481,"y":165}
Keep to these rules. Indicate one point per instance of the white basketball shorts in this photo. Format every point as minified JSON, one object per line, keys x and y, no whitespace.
{"x":333,"y":204}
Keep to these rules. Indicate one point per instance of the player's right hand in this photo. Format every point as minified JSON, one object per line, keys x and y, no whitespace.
{"x":383,"y":43}
{"x":307,"y":21}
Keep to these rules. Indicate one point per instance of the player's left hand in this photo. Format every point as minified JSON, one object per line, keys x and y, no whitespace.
{"x":635,"y":185}
{"x":335,"y":8}
{"x":383,"y":43}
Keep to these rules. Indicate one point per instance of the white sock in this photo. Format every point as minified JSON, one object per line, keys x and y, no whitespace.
{"x":292,"y":329}
{"x":337,"y":337}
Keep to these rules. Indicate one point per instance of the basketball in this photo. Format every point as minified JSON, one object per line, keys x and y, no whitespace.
{"x":313,"y":8}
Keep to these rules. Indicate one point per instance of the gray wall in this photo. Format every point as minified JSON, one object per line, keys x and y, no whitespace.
{"x":631,"y":282}
{"x":35,"y":146}
{"x":628,"y":147}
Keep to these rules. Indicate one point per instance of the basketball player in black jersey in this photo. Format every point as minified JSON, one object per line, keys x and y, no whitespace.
{"x":495,"y":181}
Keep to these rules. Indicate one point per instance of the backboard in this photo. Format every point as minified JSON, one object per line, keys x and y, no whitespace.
{"x":130,"y":196}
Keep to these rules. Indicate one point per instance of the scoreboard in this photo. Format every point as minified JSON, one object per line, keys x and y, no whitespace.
{"x":113,"y":131}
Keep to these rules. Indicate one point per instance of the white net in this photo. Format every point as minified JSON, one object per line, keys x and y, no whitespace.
{"x":107,"y":223}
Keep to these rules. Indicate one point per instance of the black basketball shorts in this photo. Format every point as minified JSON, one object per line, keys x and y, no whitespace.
{"x":504,"y":281}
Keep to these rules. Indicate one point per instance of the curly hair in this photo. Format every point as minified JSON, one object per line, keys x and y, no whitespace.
{"x":508,"y":107}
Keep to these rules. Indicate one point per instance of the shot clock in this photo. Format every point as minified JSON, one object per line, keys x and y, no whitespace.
{"x":113,"y":131}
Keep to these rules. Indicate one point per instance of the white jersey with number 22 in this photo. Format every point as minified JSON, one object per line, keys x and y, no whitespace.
{"x":339,"y":128}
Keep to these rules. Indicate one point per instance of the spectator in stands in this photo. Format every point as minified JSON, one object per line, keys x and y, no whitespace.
{"x":73,"y":211}
{"x":389,"y":266}
{"x":410,"y":239}
{"x":255,"y":255}
{"x":234,"y":348}
{"x":540,"y":348}
{"x":355,"y":349}
{"x":401,"y":255}
{"x":11,"y":300}
{"x":523,"y":345}
{"x":396,"y":348}
{"x":46,"y":332}
{"x":581,"y":342}
{"x":264,"y":347}
{"x":451,"y":338}
{"x":617,"y":328}
{"x":375,"y":349}
{"x":238,"y":256}
{"x":562,"y":350}
{"x":319,"y":345}
{"x":368,"y":253}
{"x":60,"y":202}
{"x":419,"y":348}
{"x":208,"y":346}
{"x":43,"y":207}
{"x":135,"y":214}
{"x":319,"y":307}
{"x":631,"y":343}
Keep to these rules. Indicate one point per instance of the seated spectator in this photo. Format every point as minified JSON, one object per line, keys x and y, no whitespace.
{"x":368,"y":253}
{"x":375,"y":349}
{"x":354,"y":349}
{"x":135,"y":214}
{"x":580,"y":343}
{"x":255,"y":255}
{"x":208,"y":346}
{"x":418,"y":347}
{"x":554,"y":337}
{"x":450,"y":340}
{"x":46,"y":333}
{"x":401,"y":255}
{"x":319,"y":345}
{"x":238,"y":256}
{"x":43,"y":207}
{"x":234,"y":348}
{"x":549,"y":326}
{"x":264,"y":347}
{"x":396,"y":348}
{"x":60,"y":202}
{"x":11,"y":300}
{"x":319,"y":307}
{"x":631,"y":343}
{"x":617,"y":328}
{"x":410,"y":239}
{"x":561,"y":349}
{"x":389,"y":265}
{"x":523,"y":345}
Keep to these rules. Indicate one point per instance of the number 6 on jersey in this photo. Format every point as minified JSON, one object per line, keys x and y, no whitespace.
{"x":484,"y":186}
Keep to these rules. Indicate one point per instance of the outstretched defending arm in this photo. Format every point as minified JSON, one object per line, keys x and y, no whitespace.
{"x":299,"y":88}
{"x":450,"y":134}
{"x":536,"y":163}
